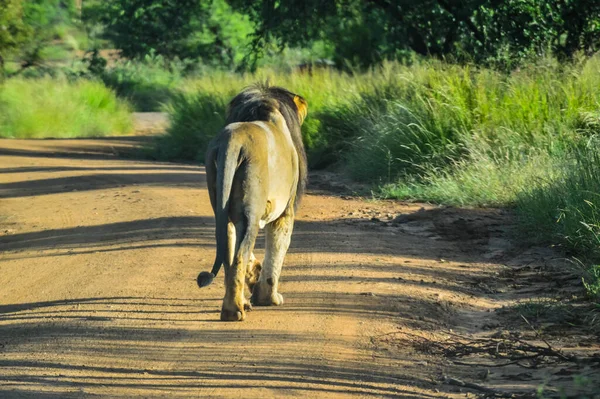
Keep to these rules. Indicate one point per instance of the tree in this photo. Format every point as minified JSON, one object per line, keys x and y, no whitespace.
{"x":364,"y":31}
{"x":13,"y":30}
{"x":367,"y":31}
{"x":222,"y":37}
{"x":139,"y":27}
{"x":43,"y":19}
{"x":208,"y":29}
{"x":26,"y":27}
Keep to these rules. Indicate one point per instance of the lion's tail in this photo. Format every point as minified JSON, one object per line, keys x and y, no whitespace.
{"x":227,"y":161}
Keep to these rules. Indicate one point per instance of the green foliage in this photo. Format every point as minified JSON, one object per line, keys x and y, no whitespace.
{"x":488,"y":31}
{"x":148,"y":84}
{"x":186,"y":138}
{"x":208,"y":30}
{"x":37,"y":33}
{"x":477,"y":180}
{"x":237,"y":33}
{"x":72,"y":71}
{"x":96,"y":64}
{"x":565,"y":208}
{"x":592,"y":282}
{"x":224,"y":37}
{"x":438,"y":123}
{"x":47,"y":20}
{"x":433,"y":121}
{"x":138,"y":27}
{"x":13,"y":30}
{"x":58,"y":108}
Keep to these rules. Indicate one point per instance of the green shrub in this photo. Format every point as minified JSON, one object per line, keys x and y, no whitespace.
{"x":195,"y":119}
{"x":148,"y":84}
{"x":40,"y":108}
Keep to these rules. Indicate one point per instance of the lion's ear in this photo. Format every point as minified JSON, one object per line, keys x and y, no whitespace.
{"x":302,"y":106}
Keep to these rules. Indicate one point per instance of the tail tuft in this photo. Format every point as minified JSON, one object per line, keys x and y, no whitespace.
{"x":204,"y":279}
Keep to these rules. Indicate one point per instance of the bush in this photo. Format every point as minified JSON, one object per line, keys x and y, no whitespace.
{"x":187,"y":137}
{"x":41,"y":108}
{"x":148,"y":84}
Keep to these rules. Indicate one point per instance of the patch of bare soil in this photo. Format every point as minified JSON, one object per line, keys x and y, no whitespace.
{"x":148,"y":123}
{"x":99,"y":255}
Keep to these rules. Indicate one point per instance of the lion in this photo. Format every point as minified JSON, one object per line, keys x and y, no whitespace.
{"x":256,"y":173}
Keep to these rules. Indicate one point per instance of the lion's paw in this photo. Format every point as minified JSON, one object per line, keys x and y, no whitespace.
{"x":277,"y":299}
{"x":232,"y":315}
{"x":263,"y":295}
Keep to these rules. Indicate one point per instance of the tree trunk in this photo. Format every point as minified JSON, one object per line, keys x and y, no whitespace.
{"x":1,"y":68}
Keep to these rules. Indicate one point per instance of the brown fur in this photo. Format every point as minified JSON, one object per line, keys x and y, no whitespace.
{"x":256,"y":173}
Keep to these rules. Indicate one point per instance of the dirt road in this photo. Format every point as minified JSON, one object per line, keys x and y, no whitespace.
{"x":99,"y":256}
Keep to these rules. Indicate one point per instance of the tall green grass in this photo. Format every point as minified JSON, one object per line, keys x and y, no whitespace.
{"x":455,"y":113}
{"x":474,"y":181}
{"x":396,"y":121}
{"x":568,"y":206}
{"x":443,"y":133}
{"x":193,"y":122}
{"x":197,"y":112}
{"x":566,"y":210}
{"x":41,"y":108}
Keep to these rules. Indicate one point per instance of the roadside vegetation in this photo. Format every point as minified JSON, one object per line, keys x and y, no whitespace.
{"x":456,"y":135}
{"x":58,"y":108}
{"x":485,"y":106}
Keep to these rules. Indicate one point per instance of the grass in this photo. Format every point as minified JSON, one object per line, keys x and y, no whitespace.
{"x":473,"y":182}
{"x":197,"y":111}
{"x":567,"y":206}
{"x":194,"y":121}
{"x":442,"y":133}
{"x":549,"y":315}
{"x":43,"y":108}
{"x":565,"y":210}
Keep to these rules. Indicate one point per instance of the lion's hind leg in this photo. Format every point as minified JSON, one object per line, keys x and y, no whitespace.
{"x":231,"y":240}
{"x":234,"y":303}
{"x":243,"y":214}
{"x":277,"y":236}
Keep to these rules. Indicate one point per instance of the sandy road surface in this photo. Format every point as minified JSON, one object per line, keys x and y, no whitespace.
{"x":98,"y":260}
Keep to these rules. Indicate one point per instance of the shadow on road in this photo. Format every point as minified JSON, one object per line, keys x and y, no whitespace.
{"x":172,"y":358}
{"x":31,"y":188}
{"x":100,"y":148}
